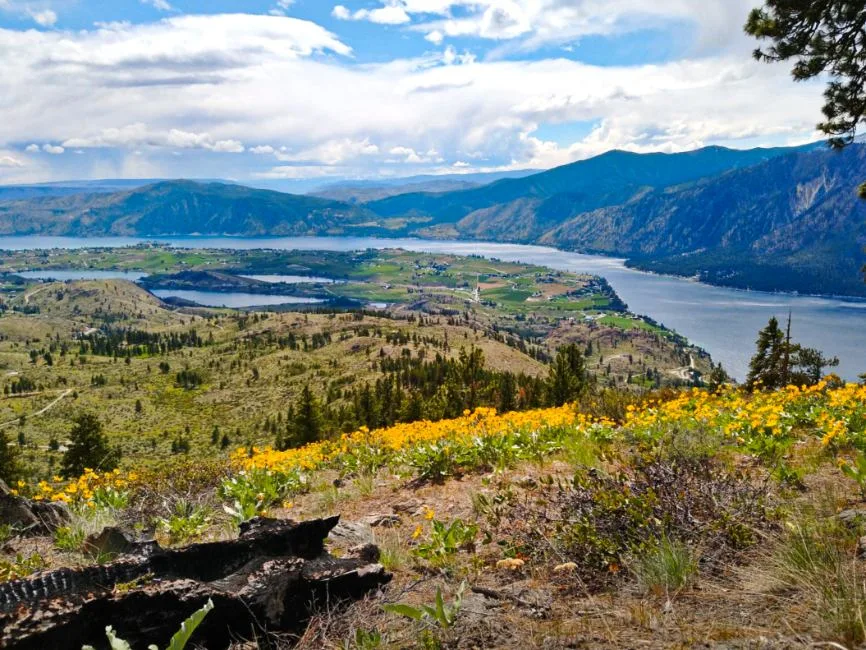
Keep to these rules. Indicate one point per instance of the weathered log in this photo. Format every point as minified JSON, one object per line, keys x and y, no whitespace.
{"x":271,"y":579}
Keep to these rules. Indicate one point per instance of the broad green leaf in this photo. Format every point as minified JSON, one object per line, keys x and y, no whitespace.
{"x":181,"y":637}
{"x":405,"y":610}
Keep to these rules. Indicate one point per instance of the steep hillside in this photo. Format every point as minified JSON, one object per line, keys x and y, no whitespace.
{"x":789,"y":223}
{"x":522,"y":209}
{"x":178,"y":207}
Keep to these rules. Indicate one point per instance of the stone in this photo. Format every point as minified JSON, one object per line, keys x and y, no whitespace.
{"x":852,"y":516}
{"x":111,"y":541}
{"x":347,"y":534}
{"x":383,"y":521}
{"x":407,"y":507}
{"x":31,"y":517}
{"x":861,"y":548}
{"x":366,"y":552}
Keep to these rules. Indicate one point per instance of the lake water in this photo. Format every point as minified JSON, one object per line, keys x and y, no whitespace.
{"x":234,"y":299}
{"x":290,"y":279}
{"x":723,"y":321}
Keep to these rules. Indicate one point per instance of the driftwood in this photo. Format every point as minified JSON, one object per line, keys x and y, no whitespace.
{"x":271,"y":579}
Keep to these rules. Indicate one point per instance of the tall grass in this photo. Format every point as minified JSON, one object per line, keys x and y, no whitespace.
{"x":666,"y":569}
{"x":816,"y":561}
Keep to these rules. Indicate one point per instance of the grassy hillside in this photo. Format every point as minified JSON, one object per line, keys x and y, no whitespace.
{"x":687,"y":519}
{"x":112,"y":348}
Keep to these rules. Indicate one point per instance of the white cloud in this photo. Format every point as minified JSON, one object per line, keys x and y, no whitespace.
{"x":54,"y":150}
{"x":461,"y":164}
{"x":45,"y":17}
{"x":161,"y":5}
{"x":32,"y":148}
{"x":539,"y":22}
{"x":332,"y":152}
{"x":341,"y":13}
{"x":9,"y":161}
{"x":436,"y":37}
{"x":138,"y":135}
{"x":392,"y":13}
{"x":208,"y":84}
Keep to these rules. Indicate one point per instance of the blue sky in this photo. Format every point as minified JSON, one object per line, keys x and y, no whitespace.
{"x":276,"y":91}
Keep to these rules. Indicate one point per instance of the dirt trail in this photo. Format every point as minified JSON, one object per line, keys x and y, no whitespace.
{"x":45,"y":409}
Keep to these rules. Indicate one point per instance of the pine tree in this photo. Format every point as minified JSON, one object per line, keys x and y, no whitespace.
{"x":507,"y":393}
{"x":10,"y":465}
{"x":766,"y":367}
{"x":567,"y":379}
{"x":89,"y":448}
{"x":308,"y":419}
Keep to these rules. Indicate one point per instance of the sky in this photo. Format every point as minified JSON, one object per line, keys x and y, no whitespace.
{"x":280,"y":90}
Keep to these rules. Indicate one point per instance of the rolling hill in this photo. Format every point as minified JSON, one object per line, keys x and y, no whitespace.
{"x":178,"y":207}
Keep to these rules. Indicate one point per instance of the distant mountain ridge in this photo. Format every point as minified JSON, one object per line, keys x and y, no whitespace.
{"x":774,"y":219}
{"x":178,"y":207}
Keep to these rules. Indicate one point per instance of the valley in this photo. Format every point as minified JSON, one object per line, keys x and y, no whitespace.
{"x":777,"y":219}
{"x":169,"y":378}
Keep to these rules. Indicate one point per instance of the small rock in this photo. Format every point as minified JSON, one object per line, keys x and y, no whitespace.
{"x":367,"y":553}
{"x":111,"y":541}
{"x":383,"y":521}
{"x":861,"y":548}
{"x":568,"y":567}
{"x":36,"y":517}
{"x":852,"y":516}
{"x":406,"y":507}
{"x":348,"y":534}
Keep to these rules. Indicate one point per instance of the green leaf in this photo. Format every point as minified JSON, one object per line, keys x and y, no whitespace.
{"x":114,"y":642}
{"x":440,"y":607}
{"x":182,"y":636}
{"x":405,"y":610}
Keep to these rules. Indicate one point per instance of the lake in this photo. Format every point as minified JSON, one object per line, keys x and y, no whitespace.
{"x":723,"y":321}
{"x":290,"y":279}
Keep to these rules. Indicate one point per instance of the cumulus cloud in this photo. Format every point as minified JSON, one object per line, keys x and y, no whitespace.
{"x":392,"y":13}
{"x":332,"y":152}
{"x":32,"y":148}
{"x":54,"y":150}
{"x":540,"y":22}
{"x":212,"y":83}
{"x":139,"y":135}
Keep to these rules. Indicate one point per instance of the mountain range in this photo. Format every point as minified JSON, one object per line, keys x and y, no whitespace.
{"x":774,"y":219}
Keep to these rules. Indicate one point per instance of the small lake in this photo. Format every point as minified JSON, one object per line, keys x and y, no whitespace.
{"x":235,"y":300}
{"x":290,"y":279}
{"x":723,"y":321}
{"x":63,"y":276}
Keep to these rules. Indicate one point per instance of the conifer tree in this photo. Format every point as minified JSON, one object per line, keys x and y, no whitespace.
{"x":89,"y":448}
{"x":567,"y":379}
{"x":507,"y":393}
{"x":823,"y":37}
{"x":308,"y":419}
{"x":10,"y":465}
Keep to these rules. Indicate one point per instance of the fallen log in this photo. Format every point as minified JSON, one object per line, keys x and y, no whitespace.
{"x":269,"y":580}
